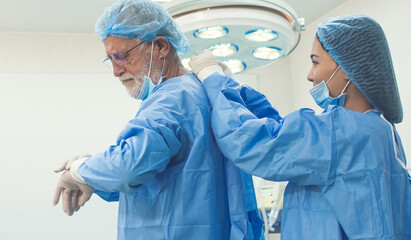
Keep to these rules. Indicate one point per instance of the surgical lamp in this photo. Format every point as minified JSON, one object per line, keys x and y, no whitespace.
{"x":245,"y":34}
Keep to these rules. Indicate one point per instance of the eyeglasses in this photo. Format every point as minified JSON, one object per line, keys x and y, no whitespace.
{"x":118,"y":57}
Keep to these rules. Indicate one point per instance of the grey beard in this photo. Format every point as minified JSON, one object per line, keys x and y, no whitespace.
{"x":155,"y":75}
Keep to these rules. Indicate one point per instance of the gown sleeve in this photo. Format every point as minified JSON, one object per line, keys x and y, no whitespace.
{"x":296,"y":148}
{"x":143,"y":150}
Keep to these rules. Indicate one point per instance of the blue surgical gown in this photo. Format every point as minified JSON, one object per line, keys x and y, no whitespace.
{"x":167,"y":172}
{"x":345,"y":168}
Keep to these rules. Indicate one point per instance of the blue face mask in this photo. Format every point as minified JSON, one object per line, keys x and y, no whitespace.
{"x":147,"y":88}
{"x":148,"y":85}
{"x":321,"y":94}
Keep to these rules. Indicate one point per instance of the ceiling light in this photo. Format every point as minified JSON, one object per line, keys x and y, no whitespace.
{"x":235,"y":65}
{"x":261,"y":35}
{"x":254,"y":32}
{"x":185,"y":61}
{"x":223,"y":49}
{"x":267,"y":53}
{"x":210,"y":32}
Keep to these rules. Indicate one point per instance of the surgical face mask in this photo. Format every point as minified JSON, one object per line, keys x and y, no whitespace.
{"x":148,"y":85}
{"x":321,"y":94}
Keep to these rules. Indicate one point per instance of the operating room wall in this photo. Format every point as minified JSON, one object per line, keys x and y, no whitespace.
{"x":56,"y":101}
{"x":393,"y":17}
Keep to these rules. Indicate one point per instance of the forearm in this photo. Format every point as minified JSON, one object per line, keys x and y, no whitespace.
{"x":122,"y":168}
{"x":135,"y":160}
{"x":264,"y":144}
{"x":289,"y":151}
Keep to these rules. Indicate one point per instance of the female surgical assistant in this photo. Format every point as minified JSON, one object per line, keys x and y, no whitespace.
{"x":345,"y":166}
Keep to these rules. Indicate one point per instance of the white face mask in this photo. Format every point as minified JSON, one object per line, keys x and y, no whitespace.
{"x":321,"y":94}
{"x":148,"y":85}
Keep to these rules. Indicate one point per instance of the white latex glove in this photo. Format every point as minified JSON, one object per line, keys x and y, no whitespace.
{"x":74,"y":194}
{"x":73,"y":197}
{"x":66,"y":165}
{"x":204,"y":65}
{"x":227,"y":71}
{"x":205,"y":59}
{"x":73,"y":164}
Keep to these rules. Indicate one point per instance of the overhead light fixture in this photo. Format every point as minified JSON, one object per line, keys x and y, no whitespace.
{"x":210,"y":32}
{"x":235,"y":65}
{"x":261,"y":35}
{"x":245,"y":33}
{"x":223,"y":49}
{"x":267,"y":53}
{"x":185,"y":61}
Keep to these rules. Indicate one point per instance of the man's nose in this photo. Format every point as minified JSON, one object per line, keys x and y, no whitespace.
{"x":117,"y":69}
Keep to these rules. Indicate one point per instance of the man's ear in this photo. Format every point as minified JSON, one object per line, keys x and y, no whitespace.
{"x":163,"y":46}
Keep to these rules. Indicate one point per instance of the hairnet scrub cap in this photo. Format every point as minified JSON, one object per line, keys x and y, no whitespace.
{"x":357,"y":43}
{"x":143,"y":19}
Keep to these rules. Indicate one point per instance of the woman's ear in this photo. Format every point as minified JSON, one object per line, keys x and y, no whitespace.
{"x":344,"y":75}
{"x":163,"y":46}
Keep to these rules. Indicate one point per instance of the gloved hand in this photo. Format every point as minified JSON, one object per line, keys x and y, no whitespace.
{"x":205,"y":59}
{"x":66,"y":165}
{"x":227,"y":71}
{"x":74,"y":194}
{"x":204,"y":65}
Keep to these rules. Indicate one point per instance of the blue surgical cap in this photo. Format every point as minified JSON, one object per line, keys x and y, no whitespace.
{"x":357,"y":43}
{"x":143,"y":19}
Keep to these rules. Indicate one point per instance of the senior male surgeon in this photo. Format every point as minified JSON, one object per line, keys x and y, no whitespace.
{"x":166,"y":170}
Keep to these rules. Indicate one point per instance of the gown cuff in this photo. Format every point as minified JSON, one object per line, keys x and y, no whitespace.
{"x":207,"y":71}
{"x":74,"y":167}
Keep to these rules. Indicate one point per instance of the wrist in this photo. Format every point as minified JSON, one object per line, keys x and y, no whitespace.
{"x":207,"y":71}
{"x":74,"y":167}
